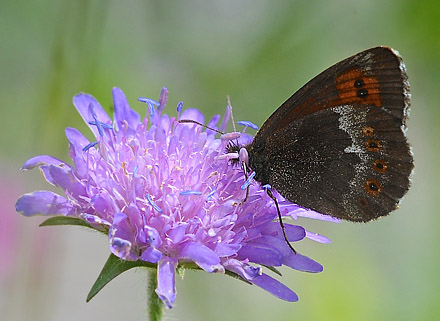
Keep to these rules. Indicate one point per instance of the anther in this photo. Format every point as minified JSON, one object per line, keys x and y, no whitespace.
{"x":247,"y":124}
{"x":88,"y":146}
{"x":248,"y":181}
{"x":189,"y":192}
{"x":153,"y":204}
{"x":211,"y":194}
{"x":179,"y":107}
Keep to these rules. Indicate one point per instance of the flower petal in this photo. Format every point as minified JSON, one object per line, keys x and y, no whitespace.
{"x":222,"y":249}
{"x":193,"y":114}
{"x":260,"y":254}
{"x":177,"y":233}
{"x":275,"y":287}
{"x":151,"y":255}
{"x":166,"y":287}
{"x":121,"y":237}
{"x":200,"y":254}
{"x":303,"y":212}
{"x":247,"y":271}
{"x":83,"y":102}
{"x":64,"y":178}
{"x":294,"y":232}
{"x":42,"y":160}
{"x":317,"y":237}
{"x":302,"y":263}
{"x":77,"y":142}
{"x":124,"y":115}
{"x":44,"y":203}
{"x":212,"y":124}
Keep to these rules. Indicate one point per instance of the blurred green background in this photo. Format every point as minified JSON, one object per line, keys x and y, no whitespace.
{"x":258,"y":52}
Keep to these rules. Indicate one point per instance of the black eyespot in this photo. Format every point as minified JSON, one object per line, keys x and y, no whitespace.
{"x":368,"y":131}
{"x":373,"y":145}
{"x":380,"y":166}
{"x":363,"y":202}
{"x":358,"y":83}
{"x":373,"y":186}
{"x":362,"y":93}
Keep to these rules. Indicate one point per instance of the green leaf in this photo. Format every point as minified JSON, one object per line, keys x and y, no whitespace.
{"x":112,"y":268}
{"x":65,"y":220}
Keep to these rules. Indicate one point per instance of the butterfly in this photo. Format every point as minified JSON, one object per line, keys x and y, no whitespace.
{"x":338,"y":145}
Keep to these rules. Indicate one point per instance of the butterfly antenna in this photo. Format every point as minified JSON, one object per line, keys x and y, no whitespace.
{"x":228,"y":99}
{"x":200,"y":124}
{"x":269,"y":192}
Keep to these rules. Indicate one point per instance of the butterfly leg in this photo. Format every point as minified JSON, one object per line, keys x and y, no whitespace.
{"x":269,"y":192}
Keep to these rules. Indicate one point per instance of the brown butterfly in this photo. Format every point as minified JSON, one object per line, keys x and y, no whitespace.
{"x":338,"y":144}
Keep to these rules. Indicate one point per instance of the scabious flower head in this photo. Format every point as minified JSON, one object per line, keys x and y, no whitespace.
{"x":165,"y":193}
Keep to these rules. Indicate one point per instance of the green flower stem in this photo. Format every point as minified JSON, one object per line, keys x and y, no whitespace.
{"x":155,"y":304}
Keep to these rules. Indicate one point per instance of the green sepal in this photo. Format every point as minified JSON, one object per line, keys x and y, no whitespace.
{"x":112,"y":268}
{"x":67,"y":220}
{"x":273,"y":269}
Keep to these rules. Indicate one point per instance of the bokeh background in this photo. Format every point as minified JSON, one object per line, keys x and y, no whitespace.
{"x":258,"y":52}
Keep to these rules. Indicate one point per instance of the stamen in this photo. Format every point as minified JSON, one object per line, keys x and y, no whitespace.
{"x":152,"y":203}
{"x":150,"y":103}
{"x":179,"y":107}
{"x":266,"y":187}
{"x":189,"y":192}
{"x":248,"y":181}
{"x":88,"y":146}
{"x":247,"y":124}
{"x":163,"y":98}
{"x":135,"y":170}
{"x":101,"y":126}
{"x":98,"y":125}
{"x":226,"y":117}
{"x":104,"y":125}
{"x":232,"y":115}
{"x":211,"y":193}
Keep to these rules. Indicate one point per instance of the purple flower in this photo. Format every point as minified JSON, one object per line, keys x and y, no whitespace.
{"x":166,"y":193}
